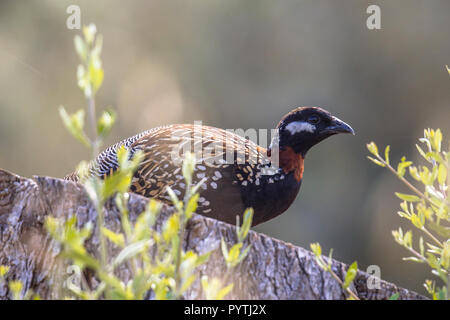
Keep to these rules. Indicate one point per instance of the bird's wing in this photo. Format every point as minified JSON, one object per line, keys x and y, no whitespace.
{"x":222,"y":157}
{"x":106,"y":162}
{"x":215,"y":150}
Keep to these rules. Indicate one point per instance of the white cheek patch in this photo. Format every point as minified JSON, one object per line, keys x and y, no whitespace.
{"x":300,"y":126}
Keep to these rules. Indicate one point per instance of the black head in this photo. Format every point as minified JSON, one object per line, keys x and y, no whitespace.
{"x":304,"y":127}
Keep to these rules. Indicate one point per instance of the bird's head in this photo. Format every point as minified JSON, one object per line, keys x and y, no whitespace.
{"x":304,"y":127}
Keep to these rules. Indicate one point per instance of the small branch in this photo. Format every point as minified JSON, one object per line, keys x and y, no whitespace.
{"x":327,"y":267}
{"x":428,"y":233}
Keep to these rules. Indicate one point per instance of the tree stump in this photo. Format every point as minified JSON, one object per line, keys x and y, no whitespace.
{"x":273,"y":269}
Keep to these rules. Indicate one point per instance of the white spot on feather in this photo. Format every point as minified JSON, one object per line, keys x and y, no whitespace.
{"x":300,"y":126}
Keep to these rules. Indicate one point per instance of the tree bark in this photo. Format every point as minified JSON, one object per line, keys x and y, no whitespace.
{"x":272,"y":270}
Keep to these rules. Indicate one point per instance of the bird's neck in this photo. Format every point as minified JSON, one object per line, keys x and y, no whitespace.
{"x":288,"y":161}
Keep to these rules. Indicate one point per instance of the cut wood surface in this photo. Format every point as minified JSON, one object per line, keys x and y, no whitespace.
{"x":273,"y":269}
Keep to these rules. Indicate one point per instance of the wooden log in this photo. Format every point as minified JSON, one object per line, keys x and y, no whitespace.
{"x":273,"y":269}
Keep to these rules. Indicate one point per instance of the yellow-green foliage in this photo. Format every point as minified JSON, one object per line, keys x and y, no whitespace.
{"x":349,"y":275}
{"x":427,"y":207}
{"x":170,"y":271}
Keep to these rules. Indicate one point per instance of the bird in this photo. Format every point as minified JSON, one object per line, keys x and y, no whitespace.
{"x":237,"y":172}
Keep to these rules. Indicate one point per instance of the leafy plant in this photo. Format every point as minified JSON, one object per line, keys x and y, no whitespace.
{"x":427,"y":207}
{"x":349,"y":275}
{"x":155,"y":259}
{"x":169,"y":271}
{"x":16,"y":287}
{"x":214,"y":289}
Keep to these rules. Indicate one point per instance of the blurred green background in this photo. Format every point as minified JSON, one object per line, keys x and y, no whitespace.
{"x":244,"y":64}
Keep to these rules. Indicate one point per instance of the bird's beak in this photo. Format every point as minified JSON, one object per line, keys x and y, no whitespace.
{"x":339,"y":126}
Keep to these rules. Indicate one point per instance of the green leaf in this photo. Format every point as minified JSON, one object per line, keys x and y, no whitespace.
{"x":82,"y":171}
{"x":330,"y":259}
{"x":442,"y":294}
{"x":386,"y":154}
{"x":422,"y":153}
{"x":437,"y":140}
{"x":407,"y":197}
{"x":202,"y":259}
{"x":138,"y":156}
{"x":246,"y":224}
{"x":224,"y":248}
{"x":395,"y":296}
{"x":224,"y":291}
{"x":89,"y":33}
{"x":154,"y":208}
{"x":80,"y":48}
{"x":350,"y":275}
{"x":83,"y":80}
{"x":93,"y":186}
{"x":435,"y":156}
{"x":316,"y":249}
{"x":96,"y":76}
{"x":416,"y":221}
{"x":212,"y":288}
{"x":140,"y":285}
{"x":373,"y":149}
{"x":414,"y":173}
{"x":74,"y":124}
{"x":173,"y":197}
{"x":117,"y":182}
{"x":243,"y":254}
{"x":421,"y":247}
{"x":116,"y":238}
{"x":162,"y":289}
{"x":377,"y":162}
{"x":3,"y":270}
{"x":401,"y":168}
{"x":432,"y":261}
{"x":171,"y":227}
{"x":415,"y":259}
{"x":233,"y":254}
{"x":187,"y":283}
{"x":15,"y":287}
{"x":407,"y":239}
{"x":445,"y":255}
{"x":118,"y":291}
{"x":428,"y":177}
{"x":442,"y":174}
{"x":188,"y":167}
{"x":198,"y":185}
{"x":97,"y":49}
{"x":131,"y":251}
{"x":191,"y":206}
{"x":105,"y":122}
{"x":82,"y":259}
{"x":123,"y":156}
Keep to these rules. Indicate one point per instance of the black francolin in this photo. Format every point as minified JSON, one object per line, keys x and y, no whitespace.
{"x":239,"y":173}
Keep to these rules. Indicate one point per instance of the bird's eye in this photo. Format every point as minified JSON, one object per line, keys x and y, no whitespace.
{"x":314,"y":119}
